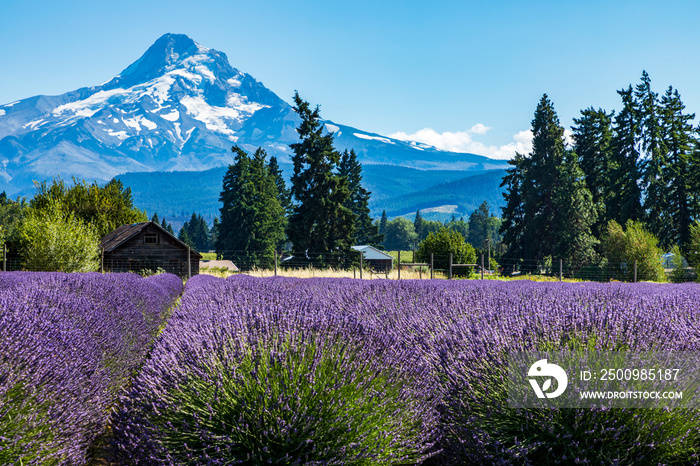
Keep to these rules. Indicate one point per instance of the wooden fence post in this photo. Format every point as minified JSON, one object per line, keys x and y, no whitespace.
{"x":275,"y":262}
{"x":102,"y":261}
{"x":635,"y":271}
{"x":4,"y":257}
{"x":361,"y":265}
{"x":432,"y":274}
{"x":482,"y":266}
{"x":189,"y":263}
{"x":450,"y":275}
{"x":399,"y":266}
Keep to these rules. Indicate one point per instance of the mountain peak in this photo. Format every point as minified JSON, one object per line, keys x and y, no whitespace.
{"x":165,"y":53}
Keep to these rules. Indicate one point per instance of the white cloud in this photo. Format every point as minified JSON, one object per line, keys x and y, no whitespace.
{"x":479,"y":129}
{"x":462,"y":141}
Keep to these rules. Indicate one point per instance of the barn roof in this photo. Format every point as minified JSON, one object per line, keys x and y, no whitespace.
{"x":371,"y":253}
{"x":124,"y":233}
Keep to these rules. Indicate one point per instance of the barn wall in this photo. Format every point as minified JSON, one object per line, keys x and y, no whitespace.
{"x":136,"y":254}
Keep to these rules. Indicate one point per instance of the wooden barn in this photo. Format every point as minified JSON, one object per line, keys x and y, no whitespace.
{"x":147,"y":246}
{"x":378,"y":260}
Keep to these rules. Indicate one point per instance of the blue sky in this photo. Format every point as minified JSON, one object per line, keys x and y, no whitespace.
{"x":462,"y":75}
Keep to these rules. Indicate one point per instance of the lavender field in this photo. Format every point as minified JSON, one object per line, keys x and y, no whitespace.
{"x":69,"y":343}
{"x":323,"y":371}
{"x":339,"y":371}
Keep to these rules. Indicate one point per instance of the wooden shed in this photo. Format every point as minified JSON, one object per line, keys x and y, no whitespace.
{"x":147,"y":246}
{"x":378,"y":260}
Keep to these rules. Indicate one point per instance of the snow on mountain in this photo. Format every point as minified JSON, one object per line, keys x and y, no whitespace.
{"x":181,"y":106}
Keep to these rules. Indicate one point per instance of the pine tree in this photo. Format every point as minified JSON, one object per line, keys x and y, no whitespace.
{"x":320,"y":221}
{"x":549,"y":211}
{"x":625,"y":202}
{"x":593,"y":145}
{"x":284,"y":195}
{"x":382,"y":223}
{"x":480,"y":226}
{"x":418,"y":224}
{"x":252,"y":219}
{"x":214,"y":234}
{"x":576,"y":215}
{"x":168,"y":227}
{"x":366,"y":232}
{"x":198,"y":232}
{"x":155,"y":219}
{"x":185,"y":237}
{"x":541,"y":181}
{"x":654,"y":157}
{"x":679,"y":138}
{"x":513,"y":224}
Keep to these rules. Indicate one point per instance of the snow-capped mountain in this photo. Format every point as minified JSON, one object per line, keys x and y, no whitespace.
{"x":181,"y":106}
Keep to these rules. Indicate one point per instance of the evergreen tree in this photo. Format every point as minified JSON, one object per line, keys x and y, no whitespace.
{"x":679,"y":138}
{"x":382,"y":223}
{"x":625,"y":198}
{"x":418,"y":223}
{"x":184,"y":236}
{"x":284,"y":195}
{"x":513,"y":224}
{"x":593,"y":145}
{"x":155,"y":218}
{"x":541,"y":180}
{"x":198,"y":231}
{"x":252,"y":218}
{"x":460,"y":226}
{"x":482,"y":227}
{"x":654,"y":159}
{"x":576,"y":214}
{"x":168,"y":227}
{"x":540,"y":220}
{"x":214,"y":233}
{"x":320,"y":221}
{"x":366,"y":232}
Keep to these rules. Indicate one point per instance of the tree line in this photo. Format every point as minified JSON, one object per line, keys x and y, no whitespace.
{"x":638,"y":168}
{"x":60,"y":228}
{"x":323,"y":213}
{"x":480,"y":230}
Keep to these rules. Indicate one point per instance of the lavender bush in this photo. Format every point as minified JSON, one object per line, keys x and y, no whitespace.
{"x":277,"y":371}
{"x":69,"y":343}
{"x":478,"y":426}
{"x":325,"y":371}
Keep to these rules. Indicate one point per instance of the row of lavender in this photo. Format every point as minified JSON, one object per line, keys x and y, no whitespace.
{"x":69,"y":343}
{"x":329,"y":371}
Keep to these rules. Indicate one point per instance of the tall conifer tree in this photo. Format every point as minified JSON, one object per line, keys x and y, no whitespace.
{"x":679,"y":137}
{"x":252,"y":219}
{"x":625,"y":202}
{"x":593,"y":146}
{"x":549,"y":210}
{"x":654,"y":157}
{"x":418,"y":224}
{"x":366,"y":232}
{"x":382,"y":223}
{"x":285,"y":196}
{"x":320,"y":222}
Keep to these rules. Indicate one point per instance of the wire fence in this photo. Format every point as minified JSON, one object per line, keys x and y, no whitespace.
{"x":379,"y":265}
